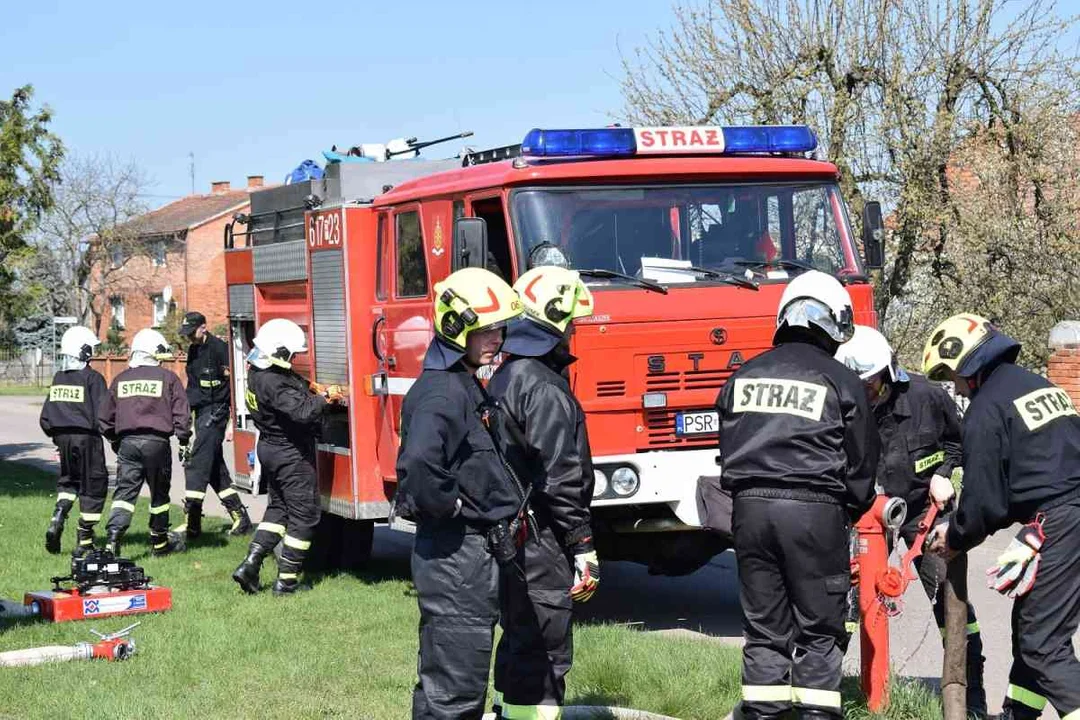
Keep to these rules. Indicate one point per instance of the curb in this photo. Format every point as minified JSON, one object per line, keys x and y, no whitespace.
{"x":599,"y":712}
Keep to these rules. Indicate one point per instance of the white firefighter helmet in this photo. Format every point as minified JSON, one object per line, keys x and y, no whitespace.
{"x":279,"y":339}
{"x":554,"y":296}
{"x":816,"y":300}
{"x":868,"y":353}
{"x":149,"y":347}
{"x":78,"y":342}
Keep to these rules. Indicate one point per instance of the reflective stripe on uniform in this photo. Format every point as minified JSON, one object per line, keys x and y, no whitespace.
{"x":209,"y":383}
{"x":1025,"y":697}
{"x":818,"y":698}
{"x":157,"y":510}
{"x":89,"y":517}
{"x":1074,"y":715}
{"x":180,"y":528}
{"x":287,"y":576}
{"x":161,"y":545}
{"x":292,"y":542}
{"x":121,"y":505}
{"x":227,"y":492}
{"x":87,"y":541}
{"x":972,"y":629}
{"x":272,"y":528}
{"x":766,"y":693}
{"x":66,"y":496}
{"x":851,"y":627}
{"x":195,"y":495}
{"x":531,"y":712}
{"x":930,"y":461}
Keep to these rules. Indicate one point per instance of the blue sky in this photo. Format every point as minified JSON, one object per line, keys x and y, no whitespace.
{"x":254,"y":88}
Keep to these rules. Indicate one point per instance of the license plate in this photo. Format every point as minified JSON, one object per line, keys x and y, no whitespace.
{"x":697,"y":423}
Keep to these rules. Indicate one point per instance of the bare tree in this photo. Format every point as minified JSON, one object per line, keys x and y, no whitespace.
{"x":957,"y":114}
{"x":90,"y":234}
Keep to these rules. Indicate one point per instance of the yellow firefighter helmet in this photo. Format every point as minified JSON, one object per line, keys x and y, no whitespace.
{"x":472,"y":299}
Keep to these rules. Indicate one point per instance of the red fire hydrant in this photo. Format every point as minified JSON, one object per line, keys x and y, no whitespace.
{"x":880,"y":587}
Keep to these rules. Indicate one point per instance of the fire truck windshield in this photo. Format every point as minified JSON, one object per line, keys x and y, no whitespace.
{"x":721,"y":227}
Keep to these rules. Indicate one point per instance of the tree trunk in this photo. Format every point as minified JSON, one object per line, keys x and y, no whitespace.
{"x":954,"y":667}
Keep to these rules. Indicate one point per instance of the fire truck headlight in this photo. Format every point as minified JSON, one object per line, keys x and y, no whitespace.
{"x":654,"y":400}
{"x":624,"y":481}
{"x":600,"y":483}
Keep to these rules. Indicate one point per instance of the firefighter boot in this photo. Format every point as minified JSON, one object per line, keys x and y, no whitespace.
{"x":289,"y":586}
{"x":192,"y":519}
{"x":241,"y":524}
{"x":247,"y":575}
{"x":113,"y":541}
{"x":84,"y":540}
{"x":56,"y":529}
{"x":976,"y":693}
{"x":166,"y":543}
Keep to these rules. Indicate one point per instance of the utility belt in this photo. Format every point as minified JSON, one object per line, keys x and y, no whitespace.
{"x":786,"y":493}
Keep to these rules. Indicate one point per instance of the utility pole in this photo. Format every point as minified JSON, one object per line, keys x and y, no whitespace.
{"x":191,"y":168}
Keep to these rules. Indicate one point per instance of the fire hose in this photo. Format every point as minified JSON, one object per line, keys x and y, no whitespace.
{"x":114,"y":646}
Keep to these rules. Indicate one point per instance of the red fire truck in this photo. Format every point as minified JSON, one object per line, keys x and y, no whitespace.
{"x":687,"y":237}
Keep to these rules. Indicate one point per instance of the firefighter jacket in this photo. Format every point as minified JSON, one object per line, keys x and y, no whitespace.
{"x":284,"y":409}
{"x":146,"y":401}
{"x":1021,"y":437}
{"x":207,"y":373}
{"x":73,"y":402}
{"x":541,"y":431}
{"x":447,"y":454}
{"x":920,"y":438}
{"x":795,"y":423}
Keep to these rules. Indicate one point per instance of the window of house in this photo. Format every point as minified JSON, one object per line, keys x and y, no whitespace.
{"x":116,"y":254}
{"x":411,"y":263}
{"x":161,"y":309}
{"x":116,"y":304}
{"x":157,"y":253}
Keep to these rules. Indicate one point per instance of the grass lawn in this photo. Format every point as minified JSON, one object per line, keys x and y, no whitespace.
{"x":29,"y":390}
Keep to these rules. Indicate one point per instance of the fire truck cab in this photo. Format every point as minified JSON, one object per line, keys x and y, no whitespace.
{"x":686,"y":236}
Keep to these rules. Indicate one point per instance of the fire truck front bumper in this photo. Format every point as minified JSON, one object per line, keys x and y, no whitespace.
{"x":648,"y":478}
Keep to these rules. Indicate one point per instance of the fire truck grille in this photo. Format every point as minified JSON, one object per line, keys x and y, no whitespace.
{"x":660,"y":432}
{"x":690,"y":380}
{"x":610,"y":388}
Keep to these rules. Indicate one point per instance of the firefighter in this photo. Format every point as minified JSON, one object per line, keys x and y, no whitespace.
{"x":1021,"y":439}
{"x":541,"y":433}
{"x":453,"y":485}
{"x":208,"y":394}
{"x":144,"y":408}
{"x":69,"y":418}
{"x":799,"y":450}
{"x":287,"y":414}
{"x":920,"y":437}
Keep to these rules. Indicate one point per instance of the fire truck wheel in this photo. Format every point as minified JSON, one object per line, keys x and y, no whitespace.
{"x":356,"y":540}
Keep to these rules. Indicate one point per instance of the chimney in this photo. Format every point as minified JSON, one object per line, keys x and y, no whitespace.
{"x":219,"y":186}
{"x":255,"y":181}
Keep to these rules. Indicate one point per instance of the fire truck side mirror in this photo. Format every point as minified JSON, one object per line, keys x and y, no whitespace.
{"x":873,"y":235}
{"x":470,"y":243}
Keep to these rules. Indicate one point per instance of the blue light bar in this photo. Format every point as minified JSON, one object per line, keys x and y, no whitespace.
{"x":616,"y":141}
{"x":769,"y":138}
{"x":566,"y":143}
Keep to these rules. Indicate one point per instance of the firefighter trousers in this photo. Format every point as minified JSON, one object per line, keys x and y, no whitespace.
{"x":142,"y":458}
{"x":457,"y":588}
{"x":794,"y":576}
{"x":206,"y":467}
{"x":292,"y":507}
{"x":536,"y":649}
{"x":82,"y":475}
{"x":1045,"y":668}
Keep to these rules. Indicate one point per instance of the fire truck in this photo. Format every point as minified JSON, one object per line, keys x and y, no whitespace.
{"x":687,"y":237}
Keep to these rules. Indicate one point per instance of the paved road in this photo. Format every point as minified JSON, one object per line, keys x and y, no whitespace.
{"x":703,"y":604}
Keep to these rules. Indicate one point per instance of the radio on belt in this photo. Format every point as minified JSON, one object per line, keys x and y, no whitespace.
{"x":100,"y":585}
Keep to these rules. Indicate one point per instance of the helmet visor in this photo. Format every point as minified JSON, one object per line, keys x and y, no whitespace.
{"x":808,"y":313}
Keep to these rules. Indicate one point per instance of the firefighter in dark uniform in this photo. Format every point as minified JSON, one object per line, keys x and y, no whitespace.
{"x":1021,"y":438}
{"x":144,"y":408}
{"x":69,"y":417}
{"x":799,"y":451}
{"x":920,"y":439}
{"x":452,"y":484}
{"x":541,"y":433}
{"x":288,"y":415}
{"x":208,"y":394}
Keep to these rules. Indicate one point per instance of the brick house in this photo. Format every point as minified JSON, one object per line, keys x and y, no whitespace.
{"x":175,"y":260}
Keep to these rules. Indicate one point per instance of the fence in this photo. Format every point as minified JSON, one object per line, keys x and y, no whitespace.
{"x":112,"y":365}
{"x":25,"y":367}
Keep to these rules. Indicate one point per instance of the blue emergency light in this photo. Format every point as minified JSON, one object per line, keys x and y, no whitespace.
{"x":616,"y":141}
